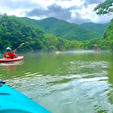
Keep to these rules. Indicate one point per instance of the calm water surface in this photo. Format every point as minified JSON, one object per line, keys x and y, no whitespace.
{"x":66,"y":82}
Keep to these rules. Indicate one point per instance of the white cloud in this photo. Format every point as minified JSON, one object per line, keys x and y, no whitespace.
{"x":18,"y":13}
{"x":89,"y":14}
{"x":68,"y":4}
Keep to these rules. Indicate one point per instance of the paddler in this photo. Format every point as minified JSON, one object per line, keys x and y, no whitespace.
{"x":9,"y":54}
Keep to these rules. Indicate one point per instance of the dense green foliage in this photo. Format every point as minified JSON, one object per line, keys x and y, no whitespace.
{"x":105,"y":7}
{"x":108,"y":35}
{"x":54,"y":43}
{"x":105,"y":43}
{"x":99,"y":28}
{"x":63,"y":29}
{"x":99,"y":43}
{"x":109,"y":31}
{"x":14,"y":31}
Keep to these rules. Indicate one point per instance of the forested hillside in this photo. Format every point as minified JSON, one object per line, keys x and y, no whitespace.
{"x":108,"y":35}
{"x":14,"y":31}
{"x":63,"y":29}
{"x":98,"y":28}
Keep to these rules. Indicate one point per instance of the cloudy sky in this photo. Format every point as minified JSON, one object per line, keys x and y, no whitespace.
{"x":75,"y":11}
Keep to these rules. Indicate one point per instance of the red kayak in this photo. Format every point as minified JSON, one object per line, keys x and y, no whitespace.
{"x":2,"y":60}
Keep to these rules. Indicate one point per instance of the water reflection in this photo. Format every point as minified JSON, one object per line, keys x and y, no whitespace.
{"x":11,"y":66}
{"x":69,"y":82}
{"x":110,"y":80}
{"x":8,"y":69}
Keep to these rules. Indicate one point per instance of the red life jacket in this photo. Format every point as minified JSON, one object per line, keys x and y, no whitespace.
{"x":8,"y":54}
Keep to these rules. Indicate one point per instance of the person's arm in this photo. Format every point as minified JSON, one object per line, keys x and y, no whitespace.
{"x":12,"y":54}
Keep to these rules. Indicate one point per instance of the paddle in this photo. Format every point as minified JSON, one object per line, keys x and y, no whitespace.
{"x":18,"y":47}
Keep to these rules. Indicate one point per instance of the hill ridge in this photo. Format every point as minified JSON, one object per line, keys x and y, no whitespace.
{"x":63,"y":29}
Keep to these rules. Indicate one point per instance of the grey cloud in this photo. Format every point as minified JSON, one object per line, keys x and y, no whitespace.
{"x":74,"y":7}
{"x":52,"y":11}
{"x":58,"y":12}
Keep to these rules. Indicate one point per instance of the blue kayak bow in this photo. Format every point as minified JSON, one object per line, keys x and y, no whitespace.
{"x":12,"y":101}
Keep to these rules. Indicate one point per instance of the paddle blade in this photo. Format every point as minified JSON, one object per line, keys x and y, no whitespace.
{"x":21,"y":45}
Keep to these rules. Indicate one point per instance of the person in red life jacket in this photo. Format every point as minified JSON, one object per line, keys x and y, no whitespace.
{"x":9,"y":54}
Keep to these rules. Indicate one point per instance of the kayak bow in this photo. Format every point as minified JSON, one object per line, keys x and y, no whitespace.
{"x":12,"y":101}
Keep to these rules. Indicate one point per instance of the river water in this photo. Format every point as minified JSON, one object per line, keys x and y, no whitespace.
{"x":65,"y":82}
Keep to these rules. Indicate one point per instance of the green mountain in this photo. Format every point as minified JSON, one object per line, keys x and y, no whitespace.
{"x":63,"y":29}
{"x":14,"y":31}
{"x":98,"y":28}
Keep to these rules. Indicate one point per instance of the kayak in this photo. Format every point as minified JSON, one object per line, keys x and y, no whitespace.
{"x":2,"y":60}
{"x":12,"y":101}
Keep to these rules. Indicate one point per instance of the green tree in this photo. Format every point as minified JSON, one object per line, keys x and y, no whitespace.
{"x":101,"y":9}
{"x":105,"y":7}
